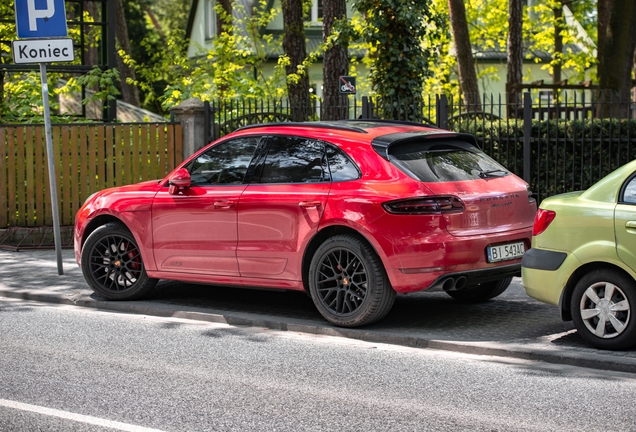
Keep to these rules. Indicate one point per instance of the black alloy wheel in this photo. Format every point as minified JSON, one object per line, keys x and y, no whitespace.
{"x":348,"y":283}
{"x":112,"y":264}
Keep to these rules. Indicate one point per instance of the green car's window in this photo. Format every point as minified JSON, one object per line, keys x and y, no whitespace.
{"x":629,"y":196}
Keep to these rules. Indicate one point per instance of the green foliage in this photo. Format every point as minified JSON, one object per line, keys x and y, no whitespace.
{"x":232,"y":68}
{"x":401,"y":36}
{"x":103,"y":85}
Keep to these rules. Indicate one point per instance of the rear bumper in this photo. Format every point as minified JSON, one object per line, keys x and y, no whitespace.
{"x":458,"y":280}
{"x":420,"y":263}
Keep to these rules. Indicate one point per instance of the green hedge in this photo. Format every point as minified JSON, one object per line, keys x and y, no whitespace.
{"x":566,"y":155}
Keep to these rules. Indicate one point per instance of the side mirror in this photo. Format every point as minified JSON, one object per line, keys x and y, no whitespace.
{"x":179,"y":179}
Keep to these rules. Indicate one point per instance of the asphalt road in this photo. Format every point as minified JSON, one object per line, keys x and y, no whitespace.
{"x":511,"y":325}
{"x":68,"y":368}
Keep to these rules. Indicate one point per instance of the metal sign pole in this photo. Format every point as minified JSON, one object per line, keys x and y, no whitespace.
{"x":51,"y":164}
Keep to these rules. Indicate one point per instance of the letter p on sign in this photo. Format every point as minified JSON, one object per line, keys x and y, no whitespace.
{"x":40,"y":18}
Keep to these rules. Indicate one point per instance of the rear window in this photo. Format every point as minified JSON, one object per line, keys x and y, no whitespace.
{"x":443,"y":161}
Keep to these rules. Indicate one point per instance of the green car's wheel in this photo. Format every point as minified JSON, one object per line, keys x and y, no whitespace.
{"x":602,"y":309}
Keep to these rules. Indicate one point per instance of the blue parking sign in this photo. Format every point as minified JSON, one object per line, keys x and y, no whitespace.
{"x":40,"y":18}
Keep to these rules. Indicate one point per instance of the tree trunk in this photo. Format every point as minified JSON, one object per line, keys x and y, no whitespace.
{"x":294,"y":46}
{"x":558,"y":43}
{"x":335,"y":63}
{"x":91,"y":55}
{"x":514,"y":76}
{"x":465,"y":61}
{"x":604,"y":8}
{"x":615,"y":66}
{"x":221,"y":23}
{"x":129,"y":92}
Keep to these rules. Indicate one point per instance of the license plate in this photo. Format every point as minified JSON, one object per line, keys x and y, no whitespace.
{"x":505,"y":252}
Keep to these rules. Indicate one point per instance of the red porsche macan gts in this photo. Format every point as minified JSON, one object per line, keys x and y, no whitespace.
{"x":352,"y":212}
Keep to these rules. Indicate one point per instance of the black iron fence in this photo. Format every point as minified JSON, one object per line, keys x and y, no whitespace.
{"x":558,"y":142}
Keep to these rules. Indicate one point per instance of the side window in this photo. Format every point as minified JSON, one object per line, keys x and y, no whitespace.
{"x":629,"y":196}
{"x":294,"y":160}
{"x":341,"y":167}
{"x":225,"y":163}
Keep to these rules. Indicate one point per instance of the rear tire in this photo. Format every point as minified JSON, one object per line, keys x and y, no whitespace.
{"x":348,"y":283}
{"x":482,"y":292}
{"x":112,"y":264}
{"x":601,"y":306}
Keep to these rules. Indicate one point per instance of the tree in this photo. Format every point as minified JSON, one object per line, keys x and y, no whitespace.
{"x":336,"y":60}
{"x":514,"y":74}
{"x":402,"y":39}
{"x":465,"y":61}
{"x":616,"y":61}
{"x":129,"y":91}
{"x":295,"y":52}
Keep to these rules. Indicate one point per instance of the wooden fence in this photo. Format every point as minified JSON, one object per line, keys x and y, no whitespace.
{"x":88,"y":158}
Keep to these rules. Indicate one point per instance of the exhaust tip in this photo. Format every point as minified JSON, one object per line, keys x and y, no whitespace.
{"x":448,"y":284}
{"x":460,"y":282}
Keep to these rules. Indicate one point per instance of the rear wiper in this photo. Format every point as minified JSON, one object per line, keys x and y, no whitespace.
{"x":493,"y":173}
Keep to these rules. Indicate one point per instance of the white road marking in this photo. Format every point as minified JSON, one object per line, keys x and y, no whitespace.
{"x":75,"y":417}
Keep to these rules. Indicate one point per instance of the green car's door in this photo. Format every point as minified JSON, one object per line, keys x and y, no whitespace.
{"x":625,"y":223}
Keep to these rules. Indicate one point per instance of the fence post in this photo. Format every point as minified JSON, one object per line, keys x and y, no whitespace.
{"x":527,"y":132}
{"x":365,"y":108}
{"x":441,"y":111}
{"x":190,"y":114}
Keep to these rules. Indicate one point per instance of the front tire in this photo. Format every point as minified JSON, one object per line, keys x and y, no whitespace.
{"x":602,"y":305}
{"x":482,"y":292}
{"x":348,"y":283}
{"x":112,"y":264}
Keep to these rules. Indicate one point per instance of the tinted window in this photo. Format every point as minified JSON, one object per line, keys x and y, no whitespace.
{"x":340,"y":166}
{"x":441,"y":161}
{"x":225,"y":163}
{"x":629,"y":196}
{"x":294,"y":160}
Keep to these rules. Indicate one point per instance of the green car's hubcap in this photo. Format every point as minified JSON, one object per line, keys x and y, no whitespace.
{"x":605,"y":310}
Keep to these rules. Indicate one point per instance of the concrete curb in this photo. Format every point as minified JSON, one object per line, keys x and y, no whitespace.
{"x":526,"y":351}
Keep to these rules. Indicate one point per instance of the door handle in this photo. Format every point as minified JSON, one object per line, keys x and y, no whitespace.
{"x":630,"y":224}
{"x":310,"y":204}
{"x":223,"y":204}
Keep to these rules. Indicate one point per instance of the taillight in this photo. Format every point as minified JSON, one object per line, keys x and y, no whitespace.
{"x":542,"y":220}
{"x":428,"y":205}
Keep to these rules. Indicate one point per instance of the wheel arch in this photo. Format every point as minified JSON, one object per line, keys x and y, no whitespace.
{"x":566,"y":294}
{"x":320,"y":238}
{"x":99,"y":221}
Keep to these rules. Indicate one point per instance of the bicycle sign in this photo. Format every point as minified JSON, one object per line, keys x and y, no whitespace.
{"x":347,"y":85}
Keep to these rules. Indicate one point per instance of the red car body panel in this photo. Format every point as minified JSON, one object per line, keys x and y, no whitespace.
{"x":256,"y":234}
{"x":209,"y":249}
{"x":274,"y":226}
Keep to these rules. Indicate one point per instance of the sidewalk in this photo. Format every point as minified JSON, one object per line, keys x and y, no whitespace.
{"x":512,"y":325}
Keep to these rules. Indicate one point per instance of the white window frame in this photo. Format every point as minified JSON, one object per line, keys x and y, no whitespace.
{"x":314,"y":18}
{"x":210,"y":19}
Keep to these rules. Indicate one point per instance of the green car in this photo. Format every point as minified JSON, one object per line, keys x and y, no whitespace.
{"x":583,"y":259}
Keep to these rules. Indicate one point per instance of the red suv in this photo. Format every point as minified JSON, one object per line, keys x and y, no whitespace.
{"x":352,"y":212}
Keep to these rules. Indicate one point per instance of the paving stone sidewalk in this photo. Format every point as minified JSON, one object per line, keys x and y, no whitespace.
{"x":512,"y":325}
